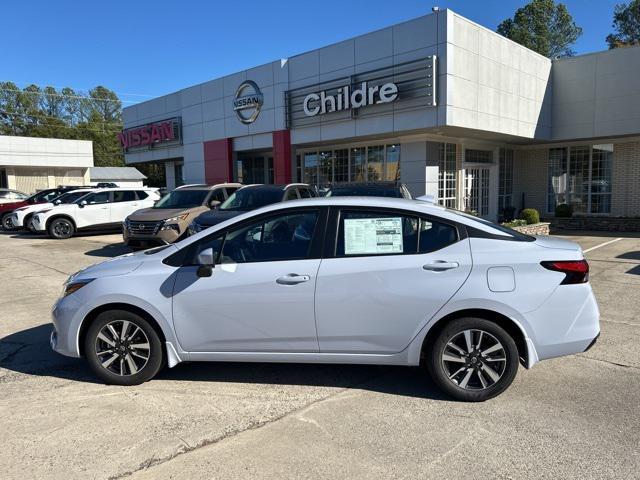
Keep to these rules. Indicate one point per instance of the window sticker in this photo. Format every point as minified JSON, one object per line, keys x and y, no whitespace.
{"x":372,"y":235}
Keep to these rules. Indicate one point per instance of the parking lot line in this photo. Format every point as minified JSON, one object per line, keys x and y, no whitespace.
{"x":602,"y":245}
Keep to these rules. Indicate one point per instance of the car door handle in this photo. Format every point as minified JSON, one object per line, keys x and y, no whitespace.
{"x":293,"y":279}
{"x":439,"y":266}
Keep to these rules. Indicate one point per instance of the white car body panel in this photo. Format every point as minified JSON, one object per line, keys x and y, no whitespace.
{"x":371,"y":310}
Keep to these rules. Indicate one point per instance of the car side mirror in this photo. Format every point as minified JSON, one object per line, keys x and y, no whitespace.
{"x":205,"y":261}
{"x":213,"y":204}
{"x":82,"y":204}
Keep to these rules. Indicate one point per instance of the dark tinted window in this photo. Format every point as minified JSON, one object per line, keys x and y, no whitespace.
{"x":435,"y":235}
{"x":376,"y":233}
{"x":285,"y":237}
{"x":291,"y":194}
{"x":365,"y":191}
{"x":70,"y":197}
{"x":142,"y":194}
{"x":230,"y":190}
{"x":182,"y":199}
{"x":214,"y":242}
{"x":306,"y":193}
{"x":46,"y":195}
{"x":246,"y":199}
{"x":217,"y":195}
{"x":124,"y":196}
{"x":95,"y":198}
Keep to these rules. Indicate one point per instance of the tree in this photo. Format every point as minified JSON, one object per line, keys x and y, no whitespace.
{"x":543,"y":26}
{"x":626,"y":23}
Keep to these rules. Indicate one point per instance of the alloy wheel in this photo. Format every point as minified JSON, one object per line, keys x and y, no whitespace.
{"x":122,"y":347}
{"x":62,"y":229}
{"x":474,"y":359}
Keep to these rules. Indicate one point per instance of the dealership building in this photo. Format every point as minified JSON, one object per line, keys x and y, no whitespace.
{"x":440,"y":103}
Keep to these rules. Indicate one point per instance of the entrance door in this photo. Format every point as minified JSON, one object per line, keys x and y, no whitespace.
{"x":255,"y":168}
{"x":476,"y":190}
{"x":3,"y":179}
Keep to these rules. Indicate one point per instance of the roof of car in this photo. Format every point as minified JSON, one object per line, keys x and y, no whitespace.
{"x":204,"y":186}
{"x":274,"y":187}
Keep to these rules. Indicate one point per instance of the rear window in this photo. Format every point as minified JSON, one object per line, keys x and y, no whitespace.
{"x":512,"y":234}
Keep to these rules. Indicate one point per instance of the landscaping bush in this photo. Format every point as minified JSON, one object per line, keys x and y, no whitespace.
{"x":564,"y":210}
{"x":531,"y":215}
{"x":508,"y":213}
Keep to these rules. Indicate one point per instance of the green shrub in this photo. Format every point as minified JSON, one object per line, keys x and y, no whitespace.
{"x":531,"y":215}
{"x":564,"y":210}
{"x":518,"y":222}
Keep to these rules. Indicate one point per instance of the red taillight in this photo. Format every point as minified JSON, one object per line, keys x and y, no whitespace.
{"x":576,"y":271}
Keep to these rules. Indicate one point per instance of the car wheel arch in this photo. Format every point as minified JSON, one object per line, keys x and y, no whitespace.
{"x":58,"y":216}
{"x":508,"y":324}
{"x":93,"y":314}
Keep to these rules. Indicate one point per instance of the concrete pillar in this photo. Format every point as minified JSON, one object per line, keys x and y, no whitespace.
{"x":413,"y":161}
{"x":169,"y":173}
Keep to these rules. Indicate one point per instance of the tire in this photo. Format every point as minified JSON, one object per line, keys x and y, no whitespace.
{"x":6,"y":223}
{"x":472,"y":374}
{"x":125,"y":365}
{"x":61,"y":228}
{"x":27,"y":221}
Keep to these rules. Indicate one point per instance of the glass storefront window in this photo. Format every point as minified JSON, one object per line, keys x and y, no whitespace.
{"x":341,"y":165}
{"x":326,"y":168}
{"x":478,"y":156}
{"x":580,"y":176}
{"x":505,"y":180}
{"x":375,"y":163}
{"x":358,"y":163}
{"x":447,"y":175}
{"x":392,"y":169}
{"x":310,"y":168}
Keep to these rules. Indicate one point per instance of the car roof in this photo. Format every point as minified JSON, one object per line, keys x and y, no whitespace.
{"x":204,"y":186}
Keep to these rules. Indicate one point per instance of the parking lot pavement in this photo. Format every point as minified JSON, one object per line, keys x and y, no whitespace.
{"x":573,"y":417}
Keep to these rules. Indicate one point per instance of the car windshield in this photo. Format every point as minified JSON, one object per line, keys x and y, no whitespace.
{"x":44,"y":196}
{"x":247,"y":199}
{"x":364,"y":191}
{"x":70,"y":197}
{"x":500,"y":228}
{"x":182,"y":199}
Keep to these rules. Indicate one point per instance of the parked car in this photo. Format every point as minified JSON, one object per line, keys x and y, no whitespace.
{"x":168,"y":220}
{"x":369,"y":189}
{"x":249,"y":198}
{"x":337,"y":280}
{"x":21,"y":217}
{"x":10,"y":196}
{"x":43,"y":196}
{"x":104,"y":209}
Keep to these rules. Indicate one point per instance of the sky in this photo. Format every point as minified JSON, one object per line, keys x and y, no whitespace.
{"x":142,"y":49}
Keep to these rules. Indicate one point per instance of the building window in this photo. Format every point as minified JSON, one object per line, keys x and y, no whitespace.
{"x":178,"y":174}
{"x":505,"y":181}
{"x":359,"y":164}
{"x":478,"y":156}
{"x":581,"y":177}
{"x":447,"y":174}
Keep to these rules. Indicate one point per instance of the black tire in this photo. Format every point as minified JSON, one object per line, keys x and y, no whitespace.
{"x":27,"y":221}
{"x":119,"y":372}
{"x":6,"y":223}
{"x":61,"y":228}
{"x":441,"y":369}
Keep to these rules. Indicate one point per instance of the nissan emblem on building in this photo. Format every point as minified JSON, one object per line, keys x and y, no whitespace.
{"x":248,"y":101}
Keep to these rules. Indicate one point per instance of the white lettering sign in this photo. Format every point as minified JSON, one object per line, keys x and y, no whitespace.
{"x":344,"y":99}
{"x":367,"y":236}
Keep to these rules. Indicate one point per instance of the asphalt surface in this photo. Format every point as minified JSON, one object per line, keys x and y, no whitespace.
{"x":573,"y":417}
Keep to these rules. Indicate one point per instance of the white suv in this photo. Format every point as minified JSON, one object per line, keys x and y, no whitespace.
{"x":21,"y":217}
{"x":105,"y":209}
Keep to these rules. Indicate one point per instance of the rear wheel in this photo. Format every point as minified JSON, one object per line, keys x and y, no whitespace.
{"x":122,"y":348}
{"x":6,"y":222}
{"x":473,"y":359}
{"x":61,"y":228}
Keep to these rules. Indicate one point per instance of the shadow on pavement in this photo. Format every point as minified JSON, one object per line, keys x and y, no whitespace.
{"x":593,"y":233}
{"x":112,"y":250}
{"x":27,"y":352}
{"x":630,"y":255}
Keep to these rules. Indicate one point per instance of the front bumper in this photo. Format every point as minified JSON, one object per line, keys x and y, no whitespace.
{"x":64,"y":338}
{"x":38,"y":224}
{"x":155,"y":237}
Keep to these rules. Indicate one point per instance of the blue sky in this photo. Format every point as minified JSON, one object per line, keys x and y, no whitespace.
{"x":143,"y":49}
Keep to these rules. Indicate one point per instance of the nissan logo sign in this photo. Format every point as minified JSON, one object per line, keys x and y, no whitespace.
{"x":248,"y":101}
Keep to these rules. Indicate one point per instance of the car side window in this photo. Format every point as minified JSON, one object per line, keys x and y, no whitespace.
{"x":278,"y":238}
{"x":212,"y":241}
{"x":230,"y":191}
{"x":141,"y":194}
{"x":376,"y":233}
{"x":217,"y":195}
{"x":291,"y":194}
{"x":96,"y":198}
{"x":124,"y":196}
{"x":435,"y":235}
{"x":305,"y":193}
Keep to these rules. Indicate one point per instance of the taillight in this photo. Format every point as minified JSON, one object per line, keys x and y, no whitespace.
{"x":576,"y":271}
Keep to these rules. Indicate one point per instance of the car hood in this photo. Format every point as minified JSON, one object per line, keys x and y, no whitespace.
{"x":157,"y":214}
{"x":214,"y":217}
{"x":36,"y":208}
{"x":113,"y":267}
{"x":7,"y":207}
{"x":554,"y":242}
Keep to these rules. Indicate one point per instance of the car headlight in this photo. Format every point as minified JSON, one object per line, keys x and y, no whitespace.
{"x":73,"y":286}
{"x":178,"y":218}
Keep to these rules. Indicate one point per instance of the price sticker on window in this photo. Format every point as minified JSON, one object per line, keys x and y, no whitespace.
{"x":366,"y":236}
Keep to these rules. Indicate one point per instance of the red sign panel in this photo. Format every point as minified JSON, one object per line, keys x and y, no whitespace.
{"x":151,"y":134}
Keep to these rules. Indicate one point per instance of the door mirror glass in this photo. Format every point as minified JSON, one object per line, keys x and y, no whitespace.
{"x":206,"y":257}
{"x":82,"y":204}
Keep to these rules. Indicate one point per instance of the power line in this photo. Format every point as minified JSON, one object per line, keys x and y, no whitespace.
{"x":86,"y":90}
{"x":66,"y":96}
{"x":52,"y":117}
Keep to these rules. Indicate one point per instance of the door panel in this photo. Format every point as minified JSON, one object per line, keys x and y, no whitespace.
{"x":243,"y":307}
{"x":377,"y":304}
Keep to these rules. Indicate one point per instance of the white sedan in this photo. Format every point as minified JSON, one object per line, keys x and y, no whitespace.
{"x":337,"y":280}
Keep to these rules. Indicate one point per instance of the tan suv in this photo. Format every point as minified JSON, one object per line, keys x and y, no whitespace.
{"x":168,"y":220}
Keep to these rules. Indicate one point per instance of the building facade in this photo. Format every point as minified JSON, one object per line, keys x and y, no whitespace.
{"x":29,"y":164}
{"x":442,"y":104}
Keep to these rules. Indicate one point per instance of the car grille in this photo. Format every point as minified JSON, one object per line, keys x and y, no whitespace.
{"x":142,"y":228}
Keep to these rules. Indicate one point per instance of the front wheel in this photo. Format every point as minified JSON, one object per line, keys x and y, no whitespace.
{"x":473,"y":359}
{"x":61,"y":228}
{"x":6,"y":222}
{"x":122,"y":348}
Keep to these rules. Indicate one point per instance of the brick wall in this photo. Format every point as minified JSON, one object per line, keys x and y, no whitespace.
{"x":625,"y":198}
{"x":530,"y":178}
